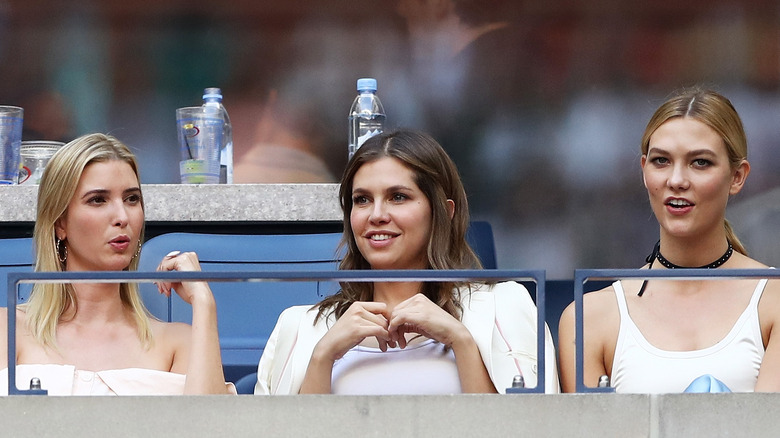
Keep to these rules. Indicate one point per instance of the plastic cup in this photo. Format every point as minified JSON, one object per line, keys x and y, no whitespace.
{"x":35,"y":155}
{"x":10,"y":142}
{"x":200,"y":137}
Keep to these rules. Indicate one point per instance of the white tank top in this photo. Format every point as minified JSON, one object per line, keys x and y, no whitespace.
{"x":639,"y":367}
{"x":423,"y":368}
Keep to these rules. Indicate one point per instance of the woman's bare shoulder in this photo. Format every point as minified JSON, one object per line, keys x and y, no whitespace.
{"x":21,"y":319}
{"x":771,"y":291}
{"x":598,"y":305}
{"x":770,"y":298}
{"x":171,"y":333}
{"x":597,"y":301}
{"x":4,"y":322}
{"x":745,"y":262}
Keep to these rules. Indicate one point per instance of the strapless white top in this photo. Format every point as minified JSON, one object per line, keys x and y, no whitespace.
{"x":67,"y":380}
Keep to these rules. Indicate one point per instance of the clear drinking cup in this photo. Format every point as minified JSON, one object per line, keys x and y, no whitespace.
{"x":10,"y":142}
{"x":35,"y":155}
{"x":200,"y":137}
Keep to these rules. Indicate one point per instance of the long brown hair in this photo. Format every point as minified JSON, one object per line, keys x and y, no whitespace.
{"x":715,"y":111}
{"x":60,"y":179}
{"x":437,"y":177}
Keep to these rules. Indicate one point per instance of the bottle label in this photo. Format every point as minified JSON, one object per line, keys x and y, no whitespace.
{"x":370,"y":133}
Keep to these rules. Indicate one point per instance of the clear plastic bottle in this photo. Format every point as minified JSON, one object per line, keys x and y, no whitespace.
{"x":367,"y":115}
{"x":212,"y":98}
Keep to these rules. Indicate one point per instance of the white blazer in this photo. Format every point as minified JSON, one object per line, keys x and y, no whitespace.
{"x":501,"y":319}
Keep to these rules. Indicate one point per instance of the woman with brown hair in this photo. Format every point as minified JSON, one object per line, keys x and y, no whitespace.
{"x":405,"y":208}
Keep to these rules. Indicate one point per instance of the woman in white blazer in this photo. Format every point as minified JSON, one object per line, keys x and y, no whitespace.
{"x":405,"y":208}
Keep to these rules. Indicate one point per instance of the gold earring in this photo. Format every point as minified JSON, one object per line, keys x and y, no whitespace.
{"x":62,"y":250}
{"x":137,"y":250}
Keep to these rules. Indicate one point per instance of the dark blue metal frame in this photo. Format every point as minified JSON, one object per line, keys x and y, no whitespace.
{"x":16,"y":278}
{"x":581,"y":276}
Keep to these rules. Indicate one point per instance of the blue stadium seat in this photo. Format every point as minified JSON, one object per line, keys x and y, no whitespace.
{"x":247,"y":312}
{"x":246,"y":384}
{"x":558,"y":295}
{"x":480,"y":237}
{"x":16,"y":255}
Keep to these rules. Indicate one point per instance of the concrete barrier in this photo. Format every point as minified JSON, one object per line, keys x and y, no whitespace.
{"x":569,"y":415}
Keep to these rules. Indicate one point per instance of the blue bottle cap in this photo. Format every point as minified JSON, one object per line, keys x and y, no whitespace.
{"x":211,"y":93}
{"x":366,"y":84}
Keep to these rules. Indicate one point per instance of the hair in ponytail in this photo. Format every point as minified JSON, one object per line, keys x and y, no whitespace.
{"x":715,"y":111}
{"x":732,"y":238}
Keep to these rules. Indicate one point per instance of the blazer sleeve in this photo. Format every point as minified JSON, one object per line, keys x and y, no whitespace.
{"x":515,"y":339}
{"x":277,"y":350}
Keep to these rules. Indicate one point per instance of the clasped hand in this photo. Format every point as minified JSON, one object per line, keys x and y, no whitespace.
{"x":362,"y":320}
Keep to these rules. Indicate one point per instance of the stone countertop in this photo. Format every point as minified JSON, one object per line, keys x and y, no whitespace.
{"x":207,"y":203}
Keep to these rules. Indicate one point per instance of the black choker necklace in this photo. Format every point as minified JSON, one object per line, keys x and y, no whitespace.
{"x":666,"y":263}
{"x":656,"y":255}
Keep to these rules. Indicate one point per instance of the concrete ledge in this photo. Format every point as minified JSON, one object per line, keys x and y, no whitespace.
{"x":569,"y":415}
{"x":565,"y":415}
{"x":327,"y":416}
{"x":208,"y":203}
{"x":718,"y":415}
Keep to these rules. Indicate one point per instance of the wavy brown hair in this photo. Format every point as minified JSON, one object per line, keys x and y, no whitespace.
{"x":715,"y":111}
{"x":437,"y":177}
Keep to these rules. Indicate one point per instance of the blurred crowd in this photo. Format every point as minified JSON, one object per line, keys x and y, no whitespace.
{"x":541,"y":104}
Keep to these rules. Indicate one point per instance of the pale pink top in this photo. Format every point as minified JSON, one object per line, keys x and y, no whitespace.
{"x":422,"y":368}
{"x":67,"y":380}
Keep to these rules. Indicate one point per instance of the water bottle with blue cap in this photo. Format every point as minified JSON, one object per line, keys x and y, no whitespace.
{"x":367,"y":115}
{"x":212,"y":99}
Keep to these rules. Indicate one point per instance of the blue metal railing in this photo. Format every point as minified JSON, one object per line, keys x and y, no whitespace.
{"x":538,"y":276}
{"x":581,"y":276}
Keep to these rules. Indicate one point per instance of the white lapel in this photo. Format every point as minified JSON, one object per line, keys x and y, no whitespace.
{"x":308,"y":336}
{"x":479,"y":313}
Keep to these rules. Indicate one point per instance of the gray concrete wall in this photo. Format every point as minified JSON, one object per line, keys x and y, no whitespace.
{"x":569,"y":415}
{"x":208,"y":202}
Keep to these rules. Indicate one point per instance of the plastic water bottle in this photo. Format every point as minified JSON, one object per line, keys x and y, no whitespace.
{"x":367,"y":115}
{"x":212,"y":98}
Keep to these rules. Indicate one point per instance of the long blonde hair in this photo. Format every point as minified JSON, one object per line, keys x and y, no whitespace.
{"x":48,"y":302}
{"x":715,"y":111}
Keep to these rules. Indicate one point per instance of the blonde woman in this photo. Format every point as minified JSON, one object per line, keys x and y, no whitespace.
{"x":99,"y":339}
{"x":661,"y":336}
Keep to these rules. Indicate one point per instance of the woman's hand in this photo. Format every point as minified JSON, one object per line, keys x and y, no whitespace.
{"x":190,"y":290}
{"x":360,"y":321}
{"x":200,"y":357}
{"x":419,"y":314}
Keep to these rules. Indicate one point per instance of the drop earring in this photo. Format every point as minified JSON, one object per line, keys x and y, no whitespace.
{"x":62,"y":250}
{"x":137,"y":250}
